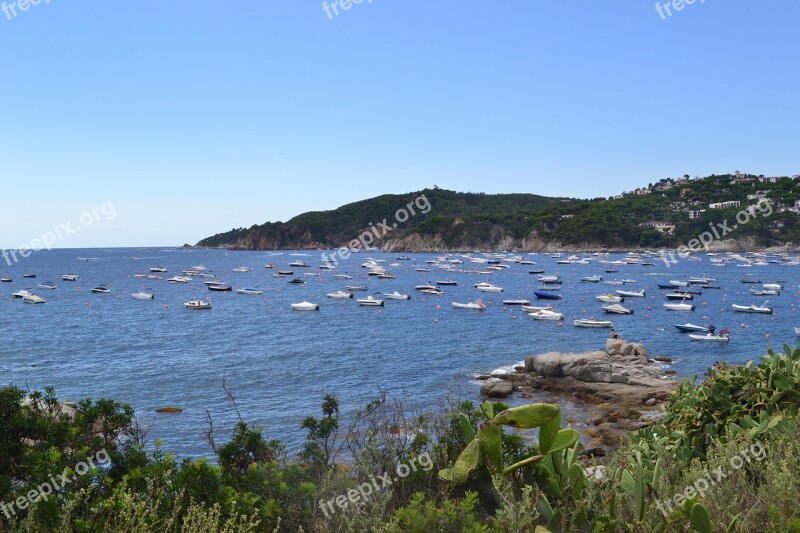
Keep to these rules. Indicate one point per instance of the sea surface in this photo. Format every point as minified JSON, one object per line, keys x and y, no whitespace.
{"x":280,"y":362}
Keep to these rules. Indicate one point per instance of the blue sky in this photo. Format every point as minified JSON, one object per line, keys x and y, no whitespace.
{"x":196,"y":117}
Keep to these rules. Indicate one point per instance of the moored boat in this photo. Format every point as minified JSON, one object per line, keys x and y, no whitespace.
{"x":546,"y":295}
{"x":197,"y":304}
{"x":679,"y":307}
{"x":477,"y":305}
{"x":546,"y":314}
{"x":763,"y":309}
{"x":341,"y":295}
{"x":146,"y":294}
{"x":690,"y":327}
{"x":589,"y":323}
{"x":370,"y":301}
{"x":396,"y":296}
{"x":33,"y":299}
{"x":709,"y":338}
{"x":617,"y":309}
{"x":305,"y":306}
{"x":633,"y":294}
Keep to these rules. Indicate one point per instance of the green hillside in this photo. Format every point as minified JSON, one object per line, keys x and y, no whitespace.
{"x":475,"y":220}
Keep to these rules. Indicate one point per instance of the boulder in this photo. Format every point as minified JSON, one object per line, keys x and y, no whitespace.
{"x":497,"y":389}
{"x":614,"y":346}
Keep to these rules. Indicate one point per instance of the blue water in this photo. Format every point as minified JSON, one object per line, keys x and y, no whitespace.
{"x":280,"y":362}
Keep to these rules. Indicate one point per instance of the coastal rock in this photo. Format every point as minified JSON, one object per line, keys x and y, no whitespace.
{"x":497,"y":389}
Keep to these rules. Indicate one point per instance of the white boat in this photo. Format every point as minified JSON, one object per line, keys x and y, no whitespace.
{"x":679,"y":307}
{"x":369,"y":301}
{"x":146,"y":294}
{"x":305,"y":306}
{"x":249,"y":291}
{"x":613,"y":282}
{"x":101,"y":290}
{"x":424,"y":287}
{"x":772,"y":286}
{"x":396,"y":296}
{"x":678,"y":283}
{"x":632,"y":294}
{"x":70,"y":277}
{"x":550,"y":279}
{"x":534,"y":308}
{"x":48,"y":286}
{"x":752,"y":309}
{"x":33,"y":299}
{"x":341,"y":295}
{"x":300,"y":264}
{"x":21,"y":294}
{"x":690,"y":327}
{"x":477,"y":305}
{"x":432,"y":292}
{"x":591,"y":279}
{"x":179,"y":279}
{"x":342,"y":276}
{"x":490,"y":288}
{"x":140,"y":276}
{"x":159,"y":269}
{"x":764,"y":292}
{"x":709,"y":338}
{"x":197,"y":304}
{"x":355,"y":288}
{"x":610,"y":298}
{"x":546,"y":314}
{"x":617,"y":309}
{"x":587,"y":323}
{"x":242,"y":269}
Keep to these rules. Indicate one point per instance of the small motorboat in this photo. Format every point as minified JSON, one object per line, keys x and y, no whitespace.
{"x":396,"y":296}
{"x":146,"y":294}
{"x":355,"y":288}
{"x":477,"y":305}
{"x":70,"y":277}
{"x":242,"y":269}
{"x":285,"y":273}
{"x":546,"y":314}
{"x":764,"y":292}
{"x":750,"y":280}
{"x":710,"y":287}
{"x":667,"y":286}
{"x":21,"y":294}
{"x":591,"y":279}
{"x":101,"y":290}
{"x":297,"y":281}
{"x":679,"y":307}
{"x":687,"y":290}
{"x":159,"y":269}
{"x":48,"y":286}
{"x":632,"y":294}
{"x":326,"y":267}
{"x":6,"y":280}
{"x":340,"y":295}
{"x":305,"y":306}
{"x":516,"y":302}
{"x":690,"y":328}
{"x":490,"y":288}
{"x":432,"y":292}
{"x":679,"y":296}
{"x":536,"y":271}
{"x":588,"y":323}
{"x":386,"y":276}
{"x":610,"y":299}
{"x":423,"y":270}
{"x":269,"y":266}
{"x":617,"y":309}
{"x":678,"y":283}
{"x":447,"y":282}
{"x":709,"y":338}
{"x":250,"y":291}
{"x":197,"y":304}
{"x":29,"y":275}
{"x":612,"y":271}
{"x":342,"y":276}
{"x":33,"y":299}
{"x":546,"y":295}
{"x":179,"y":279}
{"x":298,"y":264}
{"x":763,"y":309}
{"x":219,"y":286}
{"x":534,"y":308}
{"x":556,"y":280}
{"x":370,"y":301}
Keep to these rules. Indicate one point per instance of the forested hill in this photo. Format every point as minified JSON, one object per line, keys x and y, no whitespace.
{"x":664,"y":214}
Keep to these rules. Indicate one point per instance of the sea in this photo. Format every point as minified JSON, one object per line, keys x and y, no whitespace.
{"x":278,"y":363}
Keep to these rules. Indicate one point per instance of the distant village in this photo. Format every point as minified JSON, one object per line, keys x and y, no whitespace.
{"x":695,"y":208}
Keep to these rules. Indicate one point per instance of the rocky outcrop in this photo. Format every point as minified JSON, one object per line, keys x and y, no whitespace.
{"x":497,"y":389}
{"x":619,"y":388}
